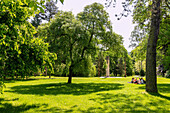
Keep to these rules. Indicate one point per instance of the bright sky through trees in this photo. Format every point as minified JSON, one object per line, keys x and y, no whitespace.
{"x":122,"y":27}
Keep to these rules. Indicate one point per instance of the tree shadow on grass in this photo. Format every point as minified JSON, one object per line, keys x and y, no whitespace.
{"x":162,"y":88}
{"x":122,"y":103}
{"x":57,"y":110}
{"x":160,"y":95}
{"x":6,"y":107}
{"x":113,"y":103}
{"x":64,"y":88}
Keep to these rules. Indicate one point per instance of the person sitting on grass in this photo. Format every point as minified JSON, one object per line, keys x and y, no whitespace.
{"x":142,"y":81}
{"x":139,"y":81}
{"x":132,"y":80}
{"x":135,"y":81}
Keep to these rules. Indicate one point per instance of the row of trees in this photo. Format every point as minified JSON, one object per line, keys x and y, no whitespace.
{"x":66,"y":44}
{"x":85,"y":40}
{"x":21,"y":53}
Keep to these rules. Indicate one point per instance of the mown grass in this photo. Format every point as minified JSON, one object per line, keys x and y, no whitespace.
{"x":84,"y":95}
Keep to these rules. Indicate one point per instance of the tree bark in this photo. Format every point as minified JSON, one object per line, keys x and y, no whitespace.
{"x":71,"y":66}
{"x":107,"y":68}
{"x":151,"y":79}
{"x":70,"y":74}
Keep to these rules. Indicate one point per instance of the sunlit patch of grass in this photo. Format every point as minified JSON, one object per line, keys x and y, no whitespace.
{"x":83,"y":95}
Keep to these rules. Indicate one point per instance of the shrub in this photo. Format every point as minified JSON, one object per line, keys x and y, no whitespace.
{"x":136,"y":73}
{"x":129,"y":72}
{"x":142,"y":72}
{"x":167,"y":74}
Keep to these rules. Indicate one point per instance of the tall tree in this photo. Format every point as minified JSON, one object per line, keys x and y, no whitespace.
{"x":151,"y":84}
{"x":74,"y":40}
{"x":147,"y":16}
{"x":142,"y":9}
{"x":66,"y":36}
{"x":95,"y":20}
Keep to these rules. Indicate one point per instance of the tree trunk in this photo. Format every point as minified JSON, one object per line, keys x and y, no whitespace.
{"x":107,"y":68}
{"x":151,"y":79}
{"x":70,"y":74}
{"x":45,"y":71}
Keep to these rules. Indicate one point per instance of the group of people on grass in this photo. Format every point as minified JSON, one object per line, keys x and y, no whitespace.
{"x":140,"y":81}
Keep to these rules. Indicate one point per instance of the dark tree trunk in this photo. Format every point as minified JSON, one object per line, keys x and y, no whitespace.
{"x":151,"y":79}
{"x":70,"y":74}
{"x":71,"y":66}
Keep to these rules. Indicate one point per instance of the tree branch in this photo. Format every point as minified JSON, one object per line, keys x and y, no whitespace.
{"x":86,"y":47}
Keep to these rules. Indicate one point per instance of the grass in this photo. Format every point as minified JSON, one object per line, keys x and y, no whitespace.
{"x":84,"y":95}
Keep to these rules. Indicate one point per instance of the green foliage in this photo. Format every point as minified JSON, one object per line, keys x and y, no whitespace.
{"x":163,"y":46}
{"x":20,"y":53}
{"x":142,"y":17}
{"x":167,"y":74}
{"x":76,"y":40}
{"x":121,"y":67}
{"x":85,"y":68}
{"x":129,"y":66}
{"x":66,"y":36}
{"x":96,"y":22}
{"x":101,"y":64}
{"x":62,"y":1}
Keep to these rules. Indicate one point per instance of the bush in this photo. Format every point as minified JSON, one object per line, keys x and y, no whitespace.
{"x":167,"y":74}
{"x":129,"y":72}
{"x":142,"y":72}
{"x":136,"y":73}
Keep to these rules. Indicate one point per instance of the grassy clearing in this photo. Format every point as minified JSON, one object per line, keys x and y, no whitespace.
{"x":99,"y":95}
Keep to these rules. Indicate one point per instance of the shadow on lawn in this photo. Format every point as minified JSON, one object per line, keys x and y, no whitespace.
{"x":9,"y":108}
{"x":64,"y":88}
{"x":162,"y":88}
{"x":127,"y":103}
{"x":113,"y":103}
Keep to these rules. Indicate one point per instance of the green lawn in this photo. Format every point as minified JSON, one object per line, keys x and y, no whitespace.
{"x":84,"y":95}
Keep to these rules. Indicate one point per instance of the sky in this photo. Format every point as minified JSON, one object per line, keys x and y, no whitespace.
{"x":122,"y":27}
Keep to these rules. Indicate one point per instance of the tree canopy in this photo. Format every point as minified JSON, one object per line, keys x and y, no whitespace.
{"x":21,"y":53}
{"x":77,"y":40}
